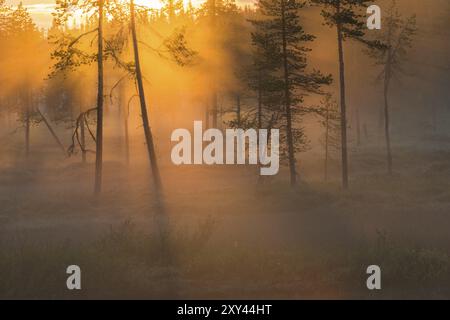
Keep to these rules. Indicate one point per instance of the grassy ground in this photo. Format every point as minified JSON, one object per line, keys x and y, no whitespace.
{"x":227,"y":236}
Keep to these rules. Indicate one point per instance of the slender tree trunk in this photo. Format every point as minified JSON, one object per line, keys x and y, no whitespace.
{"x":52,"y":132}
{"x":124,"y":113}
{"x":3,"y":106}
{"x":366,"y":133}
{"x":82,"y":129}
{"x":220,"y":117}
{"x":290,"y":140}
{"x":259,"y":104}
{"x":387,"y":124}
{"x":83,"y":141}
{"x":207,"y":116}
{"x":99,"y":137}
{"x":214,"y":95}
{"x":238,"y":110}
{"x":343,"y":107}
{"x":214,"y":110}
{"x":127,"y":140}
{"x":358,"y":127}
{"x":259,"y":119}
{"x":327,"y":119}
{"x":27,"y":127}
{"x":8,"y":119}
{"x":145,"y":121}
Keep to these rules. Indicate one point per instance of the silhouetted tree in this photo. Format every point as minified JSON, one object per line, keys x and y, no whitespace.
{"x":144,"y":112}
{"x":69,"y":57}
{"x":330,"y":120}
{"x":347,"y":16}
{"x":397,"y":34}
{"x":281,"y":23}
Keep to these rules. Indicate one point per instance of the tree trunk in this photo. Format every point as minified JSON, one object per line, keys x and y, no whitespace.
{"x":123,"y":108}
{"x":27,"y":127}
{"x":290,"y":141}
{"x":358,"y":126}
{"x":238,"y":110}
{"x":145,"y":121}
{"x":366,"y":133}
{"x":259,"y":104}
{"x":207,"y":117}
{"x":343,"y":107}
{"x":327,"y":120}
{"x":259,"y":117}
{"x":127,"y":140}
{"x":122,"y":113}
{"x":82,"y":130}
{"x":83,"y":141}
{"x":214,"y":110}
{"x":99,"y":137}
{"x":386,"y":126}
{"x":8,"y":117}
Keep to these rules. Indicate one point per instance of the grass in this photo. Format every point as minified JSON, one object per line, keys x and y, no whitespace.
{"x":129,"y":263}
{"x":229,"y":237}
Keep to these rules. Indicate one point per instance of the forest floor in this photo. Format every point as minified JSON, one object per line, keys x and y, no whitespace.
{"x":227,"y":236}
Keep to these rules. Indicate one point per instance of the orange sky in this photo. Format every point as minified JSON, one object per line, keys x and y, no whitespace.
{"x":40,"y":9}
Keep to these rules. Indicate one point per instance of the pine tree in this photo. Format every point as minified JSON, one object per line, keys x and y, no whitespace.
{"x":330,"y":121}
{"x":144,"y":111}
{"x":216,"y":14}
{"x":174,"y":47}
{"x":261,"y":76}
{"x":100,"y":97}
{"x":69,"y":57}
{"x":397,"y":34}
{"x":347,"y":16}
{"x":172,"y":9}
{"x":20,"y":36}
{"x":281,"y":24}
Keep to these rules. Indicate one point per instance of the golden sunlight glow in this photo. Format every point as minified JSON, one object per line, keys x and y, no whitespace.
{"x":149,"y":3}
{"x":157,"y":4}
{"x":40,"y":10}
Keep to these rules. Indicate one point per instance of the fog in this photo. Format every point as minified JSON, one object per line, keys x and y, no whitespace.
{"x":219,"y":231}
